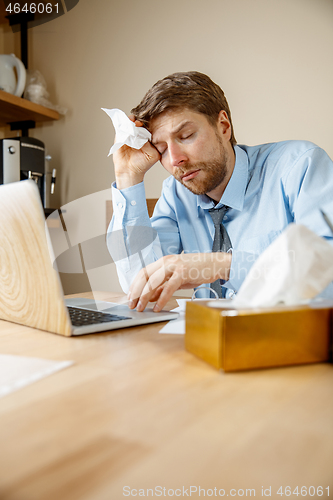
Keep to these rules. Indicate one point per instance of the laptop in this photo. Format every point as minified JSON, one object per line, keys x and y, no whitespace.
{"x":30,"y":290}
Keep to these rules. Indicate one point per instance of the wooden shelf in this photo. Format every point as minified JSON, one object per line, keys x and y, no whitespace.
{"x":16,"y":109}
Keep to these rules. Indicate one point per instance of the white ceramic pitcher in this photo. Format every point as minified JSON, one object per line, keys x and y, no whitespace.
{"x":10,"y":81}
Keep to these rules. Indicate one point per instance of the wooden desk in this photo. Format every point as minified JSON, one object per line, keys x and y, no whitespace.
{"x":137,"y":410}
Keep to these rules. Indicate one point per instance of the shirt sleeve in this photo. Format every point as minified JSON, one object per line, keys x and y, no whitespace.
{"x":309,"y":187}
{"x":133,"y":239}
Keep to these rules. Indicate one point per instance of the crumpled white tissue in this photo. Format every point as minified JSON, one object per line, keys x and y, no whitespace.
{"x":295,"y":268}
{"x":126,"y":131}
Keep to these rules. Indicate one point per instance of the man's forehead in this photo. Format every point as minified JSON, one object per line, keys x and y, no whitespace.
{"x":173,"y":120}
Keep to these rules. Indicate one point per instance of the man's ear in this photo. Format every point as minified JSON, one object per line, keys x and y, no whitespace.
{"x":223,"y":124}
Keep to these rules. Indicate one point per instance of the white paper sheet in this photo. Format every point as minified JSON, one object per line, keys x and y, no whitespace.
{"x":19,"y":371}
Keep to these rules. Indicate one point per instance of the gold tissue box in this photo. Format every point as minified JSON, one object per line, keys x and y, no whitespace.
{"x":246,"y":339}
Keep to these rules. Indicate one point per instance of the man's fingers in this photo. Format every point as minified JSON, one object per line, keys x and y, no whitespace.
{"x":151,"y":153}
{"x":156,"y":293}
{"x":137,"y":287}
{"x":169,"y":289}
{"x":132,"y":117}
{"x":143,"y":303}
{"x":143,"y":288}
{"x":155,"y":281}
{"x":141,"y":280}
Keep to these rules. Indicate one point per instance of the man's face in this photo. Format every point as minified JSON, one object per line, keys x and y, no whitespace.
{"x":197,"y":154}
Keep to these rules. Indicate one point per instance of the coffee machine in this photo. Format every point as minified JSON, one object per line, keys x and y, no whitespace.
{"x":24,"y":158}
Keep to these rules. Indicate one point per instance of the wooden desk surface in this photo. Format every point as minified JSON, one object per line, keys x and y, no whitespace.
{"x":136,"y":410}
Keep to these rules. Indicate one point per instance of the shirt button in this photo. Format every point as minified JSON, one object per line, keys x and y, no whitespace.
{"x":225,"y":217}
{"x":133,"y":203}
{"x":120,"y":205}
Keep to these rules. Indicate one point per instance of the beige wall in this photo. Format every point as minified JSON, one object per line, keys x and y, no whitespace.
{"x":273,"y":58}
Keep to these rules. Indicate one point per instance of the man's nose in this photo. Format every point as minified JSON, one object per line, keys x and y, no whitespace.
{"x":177,"y":155}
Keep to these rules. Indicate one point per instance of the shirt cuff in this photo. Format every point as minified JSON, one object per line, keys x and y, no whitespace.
{"x":129,"y":203}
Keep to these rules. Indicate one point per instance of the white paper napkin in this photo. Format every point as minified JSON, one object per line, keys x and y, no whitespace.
{"x":295,"y":268}
{"x":126,"y":131}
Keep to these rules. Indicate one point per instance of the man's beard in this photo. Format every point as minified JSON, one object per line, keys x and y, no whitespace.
{"x":215,"y":172}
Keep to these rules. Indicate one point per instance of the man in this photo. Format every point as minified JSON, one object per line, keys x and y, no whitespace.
{"x":259,"y":189}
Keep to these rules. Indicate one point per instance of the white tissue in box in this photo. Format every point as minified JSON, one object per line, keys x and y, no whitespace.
{"x":126,"y":131}
{"x":296,"y":267}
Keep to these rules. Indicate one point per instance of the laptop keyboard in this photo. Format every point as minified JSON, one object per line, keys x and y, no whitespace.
{"x":83,"y":317}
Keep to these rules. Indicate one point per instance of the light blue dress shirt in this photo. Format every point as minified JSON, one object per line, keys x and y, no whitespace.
{"x":271,"y":186}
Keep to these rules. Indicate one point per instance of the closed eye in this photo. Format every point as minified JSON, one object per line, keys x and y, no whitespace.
{"x":187,"y":136}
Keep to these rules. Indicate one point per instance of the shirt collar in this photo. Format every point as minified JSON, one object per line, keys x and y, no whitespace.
{"x":234,"y":193}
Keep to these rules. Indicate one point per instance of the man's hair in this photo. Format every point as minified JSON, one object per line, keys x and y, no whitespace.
{"x":192,"y":90}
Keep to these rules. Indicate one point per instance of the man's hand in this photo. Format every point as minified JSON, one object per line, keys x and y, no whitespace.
{"x":131,"y":164}
{"x":159,"y":280}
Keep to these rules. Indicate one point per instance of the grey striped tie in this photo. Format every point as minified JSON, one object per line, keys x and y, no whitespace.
{"x":221,"y":241}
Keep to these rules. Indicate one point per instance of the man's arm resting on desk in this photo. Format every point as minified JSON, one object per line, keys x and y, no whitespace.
{"x":131,"y":216}
{"x":158,"y":281}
